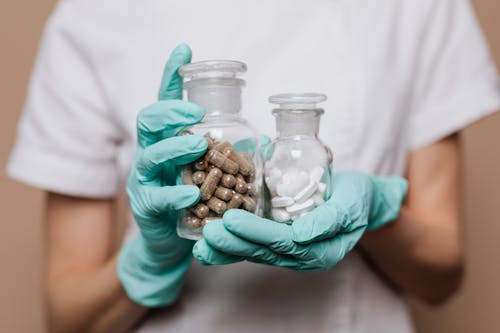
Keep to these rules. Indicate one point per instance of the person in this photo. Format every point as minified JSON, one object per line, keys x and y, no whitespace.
{"x":404,"y":78}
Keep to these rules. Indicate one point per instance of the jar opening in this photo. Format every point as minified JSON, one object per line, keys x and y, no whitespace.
{"x":297,"y":114}
{"x":212,"y":69}
{"x":214,"y":85}
{"x":298,"y":101}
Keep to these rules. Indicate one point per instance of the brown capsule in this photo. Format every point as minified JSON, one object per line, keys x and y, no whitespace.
{"x":249,"y":160}
{"x":220,"y":146}
{"x":201,"y":210}
{"x":251,"y":190}
{"x":187,"y":175}
{"x":192,"y":222}
{"x":199,"y":177}
{"x":235,"y":201}
{"x":199,"y":164}
{"x":219,"y":160}
{"x":244,"y":167}
{"x":228,"y":180}
{"x":250,"y":178}
{"x":208,"y":187}
{"x":249,"y":203}
{"x":247,"y":157}
{"x":223,"y":193}
{"x":216,"y":205}
{"x":210,"y":141}
{"x":241,"y":186}
{"x":213,"y":216}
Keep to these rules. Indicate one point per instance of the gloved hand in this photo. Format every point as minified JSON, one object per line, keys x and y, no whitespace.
{"x":152,"y":266}
{"x":315,"y":242}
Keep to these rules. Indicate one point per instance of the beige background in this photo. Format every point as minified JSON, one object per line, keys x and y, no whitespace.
{"x":475,"y":309}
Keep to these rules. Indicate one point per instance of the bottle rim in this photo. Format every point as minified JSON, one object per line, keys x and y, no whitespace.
{"x":298,"y":101}
{"x":212,"y":69}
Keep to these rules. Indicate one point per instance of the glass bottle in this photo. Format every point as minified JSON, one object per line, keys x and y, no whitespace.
{"x":228,"y":174}
{"x":297,"y":164}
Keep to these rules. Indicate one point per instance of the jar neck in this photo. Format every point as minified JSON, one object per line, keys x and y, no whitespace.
{"x":216,"y":97}
{"x":297,"y":122}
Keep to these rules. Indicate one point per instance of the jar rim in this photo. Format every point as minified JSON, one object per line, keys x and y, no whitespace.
{"x":212,"y":69}
{"x":297,"y":101}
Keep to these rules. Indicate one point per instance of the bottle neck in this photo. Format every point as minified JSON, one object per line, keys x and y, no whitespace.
{"x":216,"y":99}
{"x":295,"y":122}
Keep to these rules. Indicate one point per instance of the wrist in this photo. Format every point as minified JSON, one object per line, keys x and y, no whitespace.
{"x":148,"y":278}
{"x":388,"y":196}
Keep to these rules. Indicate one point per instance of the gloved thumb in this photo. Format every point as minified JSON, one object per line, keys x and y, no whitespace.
{"x":387,"y":199}
{"x":171,"y":83}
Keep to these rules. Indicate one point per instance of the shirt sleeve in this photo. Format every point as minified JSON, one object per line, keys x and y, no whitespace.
{"x":67,"y":139}
{"x":456,"y":79}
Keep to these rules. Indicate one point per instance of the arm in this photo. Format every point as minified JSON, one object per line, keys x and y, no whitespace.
{"x":91,"y":288}
{"x":83,"y":292}
{"x":422,"y":251}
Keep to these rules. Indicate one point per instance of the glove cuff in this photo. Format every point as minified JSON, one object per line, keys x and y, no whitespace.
{"x":146,"y":281}
{"x":388,"y":196}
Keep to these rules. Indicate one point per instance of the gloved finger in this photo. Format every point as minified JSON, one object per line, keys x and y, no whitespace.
{"x":171,"y":83}
{"x":323,"y":222}
{"x":221,"y":239}
{"x":154,"y":201}
{"x":326,"y":254}
{"x":387,"y":200}
{"x":178,"y":150}
{"x":207,"y":255}
{"x":276,"y":236}
{"x":165,"y":119}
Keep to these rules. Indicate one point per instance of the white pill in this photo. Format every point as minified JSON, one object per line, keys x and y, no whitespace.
{"x":275,"y":174}
{"x":280,"y":215}
{"x":306,"y":192}
{"x":297,"y":183}
{"x":318,"y":199}
{"x":273,"y":177}
{"x":322,"y":189}
{"x":282,"y":189}
{"x":316,"y":174}
{"x":290,"y":175}
{"x":282,"y":201}
{"x":298,"y":208}
{"x":271,"y":186}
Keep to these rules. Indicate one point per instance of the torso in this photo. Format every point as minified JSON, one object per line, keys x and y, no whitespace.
{"x":336,"y":47}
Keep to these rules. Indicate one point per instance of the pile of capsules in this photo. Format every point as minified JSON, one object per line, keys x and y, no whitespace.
{"x":294,"y":192}
{"x":225,"y":178}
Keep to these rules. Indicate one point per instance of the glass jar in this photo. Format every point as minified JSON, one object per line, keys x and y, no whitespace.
{"x":297,"y":165}
{"x":228,"y":174}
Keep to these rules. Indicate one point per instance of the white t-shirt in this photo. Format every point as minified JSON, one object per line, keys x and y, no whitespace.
{"x":399,"y":75}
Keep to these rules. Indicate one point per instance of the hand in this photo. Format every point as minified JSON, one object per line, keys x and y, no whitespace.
{"x":152,"y":266}
{"x":315,"y":242}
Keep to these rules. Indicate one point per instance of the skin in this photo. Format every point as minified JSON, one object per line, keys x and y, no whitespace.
{"x":83,"y":293}
{"x":421,"y":253}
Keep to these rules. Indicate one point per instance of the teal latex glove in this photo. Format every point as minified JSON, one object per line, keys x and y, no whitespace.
{"x":315,"y":242}
{"x":151,"y":267}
